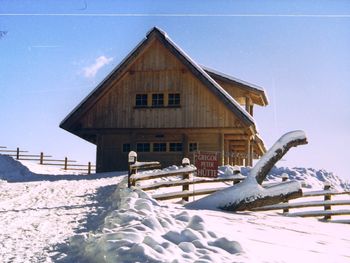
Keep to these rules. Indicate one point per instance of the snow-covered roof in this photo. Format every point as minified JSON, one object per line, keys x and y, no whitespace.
{"x":198,"y":71}
{"x":246,"y":85}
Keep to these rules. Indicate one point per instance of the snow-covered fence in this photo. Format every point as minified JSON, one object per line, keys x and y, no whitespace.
{"x":326,"y":203}
{"x":43,"y":159}
{"x":183,"y":177}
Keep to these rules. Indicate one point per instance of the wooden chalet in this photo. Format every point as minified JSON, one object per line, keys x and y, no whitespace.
{"x":163,"y":105}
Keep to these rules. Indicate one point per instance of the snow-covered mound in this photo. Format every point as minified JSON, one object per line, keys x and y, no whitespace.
{"x":12,"y":170}
{"x":139,"y":229}
{"x":310,"y":178}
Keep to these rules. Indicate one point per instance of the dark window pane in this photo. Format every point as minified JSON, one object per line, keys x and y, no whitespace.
{"x":159,"y":147}
{"x":143,"y":147}
{"x":175,"y":147}
{"x":193,"y":146}
{"x":174,"y":99}
{"x":126,"y":147}
{"x":157,"y":100}
{"x":141,"y":100}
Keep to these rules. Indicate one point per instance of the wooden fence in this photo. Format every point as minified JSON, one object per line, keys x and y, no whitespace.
{"x":326,"y":203}
{"x":43,"y":159}
{"x":185,"y":177}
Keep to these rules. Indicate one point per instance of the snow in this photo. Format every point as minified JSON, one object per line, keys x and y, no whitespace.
{"x":309,"y":178}
{"x":279,"y":145}
{"x":71,"y":218}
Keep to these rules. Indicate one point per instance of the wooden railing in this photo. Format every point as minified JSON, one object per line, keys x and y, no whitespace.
{"x":43,"y":159}
{"x":184,"y":176}
{"x":326,"y":203}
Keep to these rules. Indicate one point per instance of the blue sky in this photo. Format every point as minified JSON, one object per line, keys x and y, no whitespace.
{"x":55,"y":52}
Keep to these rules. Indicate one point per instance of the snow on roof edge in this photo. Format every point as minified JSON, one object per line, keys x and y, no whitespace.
{"x":245,"y":83}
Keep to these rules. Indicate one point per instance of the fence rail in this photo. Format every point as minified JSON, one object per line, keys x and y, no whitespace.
{"x":185,"y":178}
{"x":326,"y":203}
{"x":43,"y":159}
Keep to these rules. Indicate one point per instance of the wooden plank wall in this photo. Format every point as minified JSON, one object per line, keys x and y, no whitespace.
{"x":159,"y":71}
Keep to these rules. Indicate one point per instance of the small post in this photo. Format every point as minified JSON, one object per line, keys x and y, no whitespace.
{"x":65,"y":163}
{"x":132,"y":158}
{"x":185,"y":176}
{"x":327,"y":197}
{"x":17,"y":153}
{"x":285,"y":177}
{"x":89,"y":167}
{"x":41,"y":158}
{"x":236,"y":170}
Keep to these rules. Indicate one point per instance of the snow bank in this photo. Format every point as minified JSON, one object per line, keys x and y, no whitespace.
{"x":138,"y":229}
{"x":311,"y":179}
{"x":12,"y":170}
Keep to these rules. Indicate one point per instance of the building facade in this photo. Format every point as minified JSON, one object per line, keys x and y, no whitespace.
{"x":163,"y":105}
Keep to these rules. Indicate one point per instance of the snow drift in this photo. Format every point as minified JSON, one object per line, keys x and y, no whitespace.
{"x":139,"y":229}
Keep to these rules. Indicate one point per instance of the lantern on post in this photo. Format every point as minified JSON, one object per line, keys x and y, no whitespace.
{"x":132,"y":159}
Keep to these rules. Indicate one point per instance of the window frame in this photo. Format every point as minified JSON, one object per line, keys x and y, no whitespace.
{"x":189,"y":146}
{"x":174,"y":100}
{"x":156,"y":99}
{"x":161,"y":147}
{"x":143,"y":150}
{"x":127,"y":145}
{"x":143,"y":99}
{"x":176,"y":147}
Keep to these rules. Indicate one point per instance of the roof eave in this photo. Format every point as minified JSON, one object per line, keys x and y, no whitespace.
{"x":252,"y":87}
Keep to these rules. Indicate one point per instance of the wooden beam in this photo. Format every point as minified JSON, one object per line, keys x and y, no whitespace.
{"x":236,"y":137}
{"x":222,"y":148}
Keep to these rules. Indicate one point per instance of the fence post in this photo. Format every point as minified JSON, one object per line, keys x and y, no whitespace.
{"x":132,"y":158}
{"x":185,"y":176}
{"x":65,"y":163}
{"x":285,"y":178}
{"x":41,"y":158}
{"x":17,"y":153}
{"x":235,"y":181}
{"x":89,"y":167}
{"x":327,"y":197}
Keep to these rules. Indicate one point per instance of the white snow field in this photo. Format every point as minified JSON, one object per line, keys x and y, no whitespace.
{"x":46,"y":217}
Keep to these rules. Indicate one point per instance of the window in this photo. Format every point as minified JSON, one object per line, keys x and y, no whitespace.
{"x":159,"y":147}
{"x":143,"y":147}
{"x":158,"y":100}
{"x":193,"y":146}
{"x":126,"y":147}
{"x":175,"y":147}
{"x":174,"y":99}
{"x":141,"y":100}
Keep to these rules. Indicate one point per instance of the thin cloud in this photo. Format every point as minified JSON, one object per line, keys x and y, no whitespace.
{"x":92,"y":70}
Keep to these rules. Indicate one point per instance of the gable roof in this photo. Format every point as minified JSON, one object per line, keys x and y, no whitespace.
{"x":241,"y":83}
{"x":70,"y":121}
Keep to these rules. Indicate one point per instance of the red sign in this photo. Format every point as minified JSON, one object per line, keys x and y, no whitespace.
{"x":207,"y":163}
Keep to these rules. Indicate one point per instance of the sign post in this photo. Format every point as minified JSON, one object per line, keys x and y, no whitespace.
{"x":207,"y":163}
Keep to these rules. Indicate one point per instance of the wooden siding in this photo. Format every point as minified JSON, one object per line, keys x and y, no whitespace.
{"x":156,"y":70}
{"x":239,"y":94}
{"x":110,"y":155}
